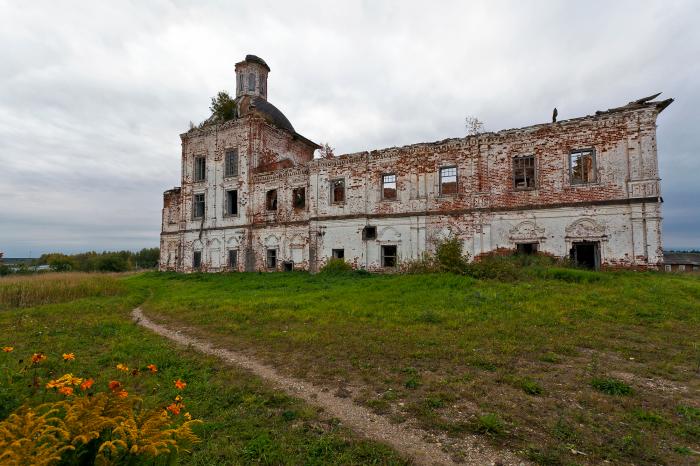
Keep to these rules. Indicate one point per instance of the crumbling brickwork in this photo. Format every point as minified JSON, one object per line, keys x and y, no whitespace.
{"x":590,"y":191}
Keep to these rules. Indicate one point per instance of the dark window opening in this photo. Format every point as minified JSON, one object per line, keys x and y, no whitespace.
{"x":582,"y":166}
{"x":197,"y":260}
{"x":271,"y":259}
{"x":233,"y":258}
{"x":524,"y":172}
{"x":369,"y":232}
{"x":231,"y":163}
{"x":338,"y":253}
{"x":288,"y":266}
{"x":337,"y":191}
{"x":271,"y":200}
{"x":251,"y":82}
{"x":389,"y":256}
{"x":389,"y":186}
{"x":232,"y":202}
{"x":200,"y":168}
{"x":299,"y":198}
{"x":448,"y":181}
{"x":527,"y":248}
{"x":586,"y":254}
{"x":240,"y":82}
{"x":198,"y":211}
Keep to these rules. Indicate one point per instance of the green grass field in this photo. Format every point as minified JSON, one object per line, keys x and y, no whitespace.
{"x":569,"y":368}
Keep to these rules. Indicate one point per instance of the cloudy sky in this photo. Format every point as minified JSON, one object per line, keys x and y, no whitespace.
{"x":94,"y":94}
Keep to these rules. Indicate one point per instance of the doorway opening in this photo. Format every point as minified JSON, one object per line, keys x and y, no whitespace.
{"x":586,"y":254}
{"x":527,"y":248}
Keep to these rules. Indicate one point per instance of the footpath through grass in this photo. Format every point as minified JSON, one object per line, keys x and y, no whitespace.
{"x":244,"y":421}
{"x":569,"y":368}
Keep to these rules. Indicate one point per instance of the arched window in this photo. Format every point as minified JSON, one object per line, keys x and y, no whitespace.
{"x":240,"y":82}
{"x":251,"y":82}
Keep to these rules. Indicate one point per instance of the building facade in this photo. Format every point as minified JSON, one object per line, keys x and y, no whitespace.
{"x":254,"y":198}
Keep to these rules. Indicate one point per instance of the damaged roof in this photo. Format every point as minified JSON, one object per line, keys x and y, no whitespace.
{"x":640,"y":103}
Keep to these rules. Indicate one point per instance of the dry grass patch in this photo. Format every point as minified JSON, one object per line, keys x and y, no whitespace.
{"x":50,"y":288}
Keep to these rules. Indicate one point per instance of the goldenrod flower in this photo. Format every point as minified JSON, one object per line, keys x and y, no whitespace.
{"x":180,"y":385}
{"x":152,"y":368}
{"x":122,"y":367}
{"x":68,"y":356}
{"x":38,"y":357}
{"x":7,"y":349}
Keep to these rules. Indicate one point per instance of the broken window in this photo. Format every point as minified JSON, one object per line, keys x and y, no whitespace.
{"x":251,"y":82}
{"x":338,"y":253}
{"x":232,"y":202}
{"x":524,"y":172}
{"x":389,"y":186}
{"x":233,"y":258}
{"x":299,"y":198}
{"x":389,"y":256}
{"x":200,"y":168}
{"x":337,"y":191}
{"x":369,"y":232}
{"x":231,"y":163}
{"x":197,"y":259}
{"x":271,"y":259}
{"x":271,"y":200}
{"x":448,"y":181}
{"x":198,"y":207}
{"x":240,"y":82}
{"x":527,"y":248}
{"x":582,"y":166}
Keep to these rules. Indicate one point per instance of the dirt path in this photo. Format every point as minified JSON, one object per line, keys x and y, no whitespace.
{"x":409,"y":441}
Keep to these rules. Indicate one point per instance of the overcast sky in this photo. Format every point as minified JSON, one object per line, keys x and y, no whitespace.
{"x":94,"y":94}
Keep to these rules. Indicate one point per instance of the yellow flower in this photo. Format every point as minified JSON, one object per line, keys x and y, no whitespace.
{"x":68,"y":356}
{"x":7,"y":349}
{"x":188,"y":416}
{"x":64,"y":380}
{"x":122,"y":367}
{"x":178,"y":398}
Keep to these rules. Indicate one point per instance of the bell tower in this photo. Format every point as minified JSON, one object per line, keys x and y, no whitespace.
{"x":251,"y":77}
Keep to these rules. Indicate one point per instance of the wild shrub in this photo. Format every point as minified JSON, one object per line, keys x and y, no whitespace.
{"x":450,"y":256}
{"x":336,"y":267}
{"x":489,"y":424}
{"x":611,"y":386}
{"x":496,"y":267}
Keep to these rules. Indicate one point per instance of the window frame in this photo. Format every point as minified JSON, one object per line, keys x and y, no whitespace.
{"x":395,"y":256}
{"x":228,"y":258}
{"x":294,"y":198}
{"x":594,"y":166}
{"x":456,"y":182}
{"x":197,"y":260}
{"x":195,"y":178}
{"x":194,"y":205}
{"x":334,"y":253}
{"x":227,"y":204}
{"x":396,"y":187}
{"x":534,"y":172}
{"x":267,"y":200}
{"x":228,"y":172}
{"x":251,"y":80}
{"x":332,"y":193}
{"x":365,"y":236}
{"x":267,"y":258}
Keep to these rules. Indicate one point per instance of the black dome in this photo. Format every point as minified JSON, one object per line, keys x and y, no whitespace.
{"x":269,"y":110}
{"x":256,"y":59}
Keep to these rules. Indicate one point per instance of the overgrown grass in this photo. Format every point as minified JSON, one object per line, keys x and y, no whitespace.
{"x":245,"y":422}
{"x":33,"y":290}
{"x":524,"y":351}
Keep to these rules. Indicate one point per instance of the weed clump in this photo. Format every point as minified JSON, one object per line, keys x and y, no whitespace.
{"x":336,"y":267}
{"x":611,"y":386}
{"x":489,"y":424}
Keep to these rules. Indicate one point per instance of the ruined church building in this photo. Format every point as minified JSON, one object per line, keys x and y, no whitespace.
{"x":254,"y":198}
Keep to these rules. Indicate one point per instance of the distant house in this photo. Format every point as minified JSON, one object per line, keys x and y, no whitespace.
{"x":682,"y":261}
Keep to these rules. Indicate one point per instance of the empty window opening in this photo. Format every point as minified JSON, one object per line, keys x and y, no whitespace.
{"x":338,"y":253}
{"x":527,"y":248}
{"x":240,"y":81}
{"x":524,"y":172}
{"x":299,"y":198}
{"x":582,"y":166}
{"x":271,"y":259}
{"x":231,"y":163}
{"x":586,"y":254}
{"x":197,"y":260}
{"x":251,"y":82}
{"x":389,"y":186}
{"x":388,"y":256}
{"x":287,"y":266}
{"x":198,"y":208}
{"x":369,"y":232}
{"x":232,"y":202}
{"x":338,"y":191}
{"x":200,"y":168}
{"x":271,"y":200}
{"x":448,"y":181}
{"x":233,"y":258}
